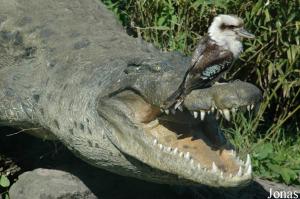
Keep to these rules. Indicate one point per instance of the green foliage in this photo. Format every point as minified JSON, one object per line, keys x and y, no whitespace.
{"x":4,"y":184}
{"x":271,"y":61}
{"x":4,"y":181}
{"x":278,"y":161}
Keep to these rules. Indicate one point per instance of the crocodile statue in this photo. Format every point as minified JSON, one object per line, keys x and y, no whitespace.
{"x":69,"y":71}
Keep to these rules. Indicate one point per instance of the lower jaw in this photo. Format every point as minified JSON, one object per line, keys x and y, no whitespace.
{"x":198,"y":163}
{"x":192,"y":141}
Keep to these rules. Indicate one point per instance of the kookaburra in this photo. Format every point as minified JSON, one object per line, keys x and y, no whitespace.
{"x":212,"y":57}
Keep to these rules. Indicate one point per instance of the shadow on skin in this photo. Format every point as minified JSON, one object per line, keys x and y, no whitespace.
{"x":30,"y":153}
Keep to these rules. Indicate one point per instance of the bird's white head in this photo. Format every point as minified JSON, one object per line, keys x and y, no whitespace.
{"x":227,"y":31}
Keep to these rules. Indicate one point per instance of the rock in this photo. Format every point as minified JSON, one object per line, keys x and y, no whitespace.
{"x":49,"y":184}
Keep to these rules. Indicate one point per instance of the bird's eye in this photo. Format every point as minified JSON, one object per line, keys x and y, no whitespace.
{"x":231,"y":26}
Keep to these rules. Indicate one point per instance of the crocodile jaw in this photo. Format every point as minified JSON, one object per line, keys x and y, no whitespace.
{"x":143,"y":132}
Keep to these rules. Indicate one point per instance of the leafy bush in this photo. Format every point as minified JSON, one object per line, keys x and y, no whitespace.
{"x":271,"y":61}
{"x":278,"y":164}
{"x":4,"y":184}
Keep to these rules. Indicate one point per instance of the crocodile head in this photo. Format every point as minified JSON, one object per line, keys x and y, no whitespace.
{"x":187,"y":143}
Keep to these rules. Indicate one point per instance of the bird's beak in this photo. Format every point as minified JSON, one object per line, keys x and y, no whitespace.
{"x":244,"y":33}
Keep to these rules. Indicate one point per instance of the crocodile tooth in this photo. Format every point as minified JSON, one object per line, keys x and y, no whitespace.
{"x":162,"y":110}
{"x":175,"y":151}
{"x":154,"y":141}
{"x":205,"y":169}
{"x":167,"y":112}
{"x":198,"y":166}
{"x":169,"y":149}
{"x":248,"y":161}
{"x":202,"y":115}
{"x":195,"y":114}
{"x":214,"y":168}
{"x":230,"y":175}
{"x":249,"y":170}
{"x":212,"y":109}
{"x":233,"y":152}
{"x":180,"y":154}
{"x":226,"y":114}
{"x":252,"y":106}
{"x":248,"y":108}
{"x":160,"y":146}
{"x":221,"y":174}
{"x":239,"y":173}
{"x":187,"y":156}
{"x":208,"y":112}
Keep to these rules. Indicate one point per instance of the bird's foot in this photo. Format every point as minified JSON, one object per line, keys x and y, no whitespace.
{"x":178,"y":104}
{"x":173,"y":105}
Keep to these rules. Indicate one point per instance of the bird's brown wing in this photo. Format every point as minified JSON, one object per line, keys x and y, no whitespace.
{"x":199,"y":60}
{"x":208,"y":69}
{"x":199,"y":50}
{"x":171,"y":100}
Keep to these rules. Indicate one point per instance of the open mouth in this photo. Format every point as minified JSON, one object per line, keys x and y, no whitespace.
{"x":187,"y":143}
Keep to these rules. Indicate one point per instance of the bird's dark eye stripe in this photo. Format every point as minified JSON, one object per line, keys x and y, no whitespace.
{"x":225,"y":26}
{"x":230,"y":26}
